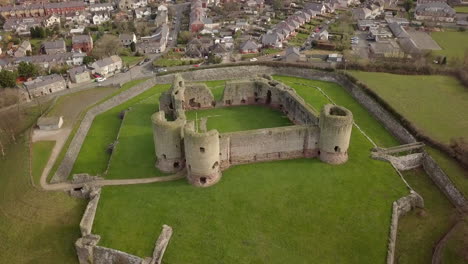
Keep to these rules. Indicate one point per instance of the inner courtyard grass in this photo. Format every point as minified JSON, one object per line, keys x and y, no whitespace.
{"x":294,"y":211}
{"x":239,"y":118}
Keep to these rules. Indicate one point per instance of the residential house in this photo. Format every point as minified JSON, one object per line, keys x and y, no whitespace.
{"x":435,"y":11}
{"x":41,"y":9}
{"x":44,"y":85}
{"x":197,"y":48}
{"x":79,"y":74}
{"x":107,"y":66}
{"x":197,"y":15}
{"x":83,"y":43}
{"x":149,"y":47}
{"x":321,"y":35}
{"x":142,"y":12}
{"x":220,"y":50}
{"x":272,"y":39}
{"x":399,"y":20}
{"x":100,"y":17}
{"x":48,"y":61}
{"x":22,"y":26}
{"x":362,"y":13}
{"x":101,"y":7}
{"x":155,"y":43}
{"x":248,"y":46}
{"x":54,"y":47}
{"x":161,"y":17}
{"x":367,"y":24}
{"x":132,"y":4}
{"x":51,"y":21}
{"x":292,"y":54}
{"x":380,"y":33}
{"x":127,"y":39}
{"x":320,"y":8}
{"x":23,"y":49}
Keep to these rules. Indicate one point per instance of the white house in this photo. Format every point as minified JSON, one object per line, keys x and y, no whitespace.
{"x":50,"y":123}
{"x":107,"y":66}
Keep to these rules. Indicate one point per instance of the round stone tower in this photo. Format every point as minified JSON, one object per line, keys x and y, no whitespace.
{"x":168,"y":142}
{"x":335,"y":125}
{"x":202,"y":156}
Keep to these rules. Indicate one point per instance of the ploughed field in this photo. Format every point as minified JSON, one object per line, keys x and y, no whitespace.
{"x":294,"y":211}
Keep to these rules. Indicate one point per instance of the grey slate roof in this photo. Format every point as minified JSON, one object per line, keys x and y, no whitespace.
{"x":57,"y":44}
{"x":42,"y":81}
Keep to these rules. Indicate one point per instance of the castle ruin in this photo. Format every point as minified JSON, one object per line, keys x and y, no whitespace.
{"x":181,"y":144}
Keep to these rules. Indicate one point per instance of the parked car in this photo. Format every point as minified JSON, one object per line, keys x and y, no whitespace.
{"x":100,"y":79}
{"x":161,"y":70}
{"x":141,"y":63}
{"x":277,"y":56}
{"x":95,"y":75}
{"x":253,"y":59}
{"x":196,"y":65}
{"x":147,"y":59}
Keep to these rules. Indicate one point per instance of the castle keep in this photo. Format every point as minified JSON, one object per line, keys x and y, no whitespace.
{"x":182,"y":144}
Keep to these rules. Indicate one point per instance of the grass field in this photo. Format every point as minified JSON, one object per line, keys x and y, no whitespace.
{"x":239,"y":118}
{"x":456,"y":250}
{"x":454,"y":44}
{"x":131,"y":60}
{"x":258,"y":214}
{"x":298,"y":40}
{"x":419,"y":230}
{"x":40,"y":156}
{"x":461,"y":9}
{"x":217,"y":88}
{"x":35,"y":226}
{"x":434,"y":104}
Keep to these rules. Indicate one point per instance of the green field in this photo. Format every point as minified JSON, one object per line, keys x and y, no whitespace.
{"x":454,"y":44}
{"x":35,"y":226}
{"x":239,"y":118}
{"x":461,"y":9}
{"x":420,"y":229}
{"x":292,"y":211}
{"x":131,"y":60}
{"x":434,"y":104}
{"x":40,"y":156}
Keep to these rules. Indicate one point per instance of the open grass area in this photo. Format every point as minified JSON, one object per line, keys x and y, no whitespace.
{"x":292,"y":211}
{"x":93,"y":157}
{"x":131,"y":60}
{"x":239,"y":118}
{"x":41,"y":151}
{"x":434,"y":104}
{"x":420,"y":229}
{"x":298,"y":40}
{"x":461,"y":9}
{"x":77,"y":100}
{"x":454,"y":44}
{"x":456,"y":249}
{"x":35,"y":226}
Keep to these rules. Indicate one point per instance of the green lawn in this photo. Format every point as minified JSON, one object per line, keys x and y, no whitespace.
{"x":456,"y":248}
{"x":35,"y":226}
{"x":41,"y":151}
{"x":434,"y":104}
{"x":93,"y":157}
{"x":74,"y":100}
{"x":294,"y":211}
{"x":298,"y":40}
{"x":239,"y":118}
{"x":419,"y":230}
{"x":131,"y":60}
{"x":454,"y":44}
{"x":461,"y":9}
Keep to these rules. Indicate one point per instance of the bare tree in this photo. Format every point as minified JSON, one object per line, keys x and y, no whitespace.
{"x":107,"y":46}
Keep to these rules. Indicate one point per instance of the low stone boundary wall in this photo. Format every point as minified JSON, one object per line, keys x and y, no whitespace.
{"x":399,"y":208}
{"x":438,"y":176}
{"x":87,"y":220}
{"x":402,"y":163}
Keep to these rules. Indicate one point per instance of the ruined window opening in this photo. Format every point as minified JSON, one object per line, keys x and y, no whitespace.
{"x":176,"y":92}
{"x":192,"y":102}
{"x":268,"y":99}
{"x":228,"y":102}
{"x":280,"y":106}
{"x":337,"y":149}
{"x":189,"y":167}
{"x":213,"y":103}
{"x":243,"y":101}
{"x":176,"y":164}
{"x":255,"y":94}
{"x":171,"y":106}
{"x":257,"y":99}
{"x":203,"y":180}
{"x":164,"y":156}
{"x":180,"y":83}
{"x":202,"y":149}
{"x":318,"y":152}
{"x":215,"y":165}
{"x":78,"y":189}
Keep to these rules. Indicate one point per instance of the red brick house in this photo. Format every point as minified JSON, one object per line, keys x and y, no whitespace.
{"x":83,"y":43}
